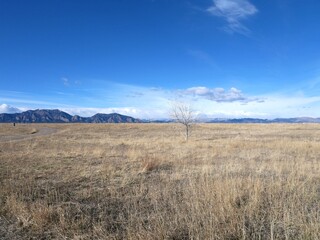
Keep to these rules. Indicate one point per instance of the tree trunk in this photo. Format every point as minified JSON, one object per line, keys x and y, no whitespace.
{"x":187,"y":132}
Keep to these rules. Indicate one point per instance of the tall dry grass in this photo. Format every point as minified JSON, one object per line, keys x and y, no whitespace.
{"x":142,"y":181}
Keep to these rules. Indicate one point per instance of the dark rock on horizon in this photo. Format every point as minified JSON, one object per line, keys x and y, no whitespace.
{"x":57,"y":116}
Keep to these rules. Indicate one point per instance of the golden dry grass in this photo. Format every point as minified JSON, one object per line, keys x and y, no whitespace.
{"x":18,"y":130}
{"x":142,"y":181}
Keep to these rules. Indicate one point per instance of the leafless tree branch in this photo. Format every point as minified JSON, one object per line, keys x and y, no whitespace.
{"x":182,"y":113}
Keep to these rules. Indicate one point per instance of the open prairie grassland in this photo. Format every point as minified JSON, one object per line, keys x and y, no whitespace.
{"x":143,"y":181}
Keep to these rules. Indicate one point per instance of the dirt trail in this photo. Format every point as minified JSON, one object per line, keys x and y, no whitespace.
{"x":43,"y":131}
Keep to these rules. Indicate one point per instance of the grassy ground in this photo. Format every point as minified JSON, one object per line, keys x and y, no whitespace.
{"x":142,"y":181}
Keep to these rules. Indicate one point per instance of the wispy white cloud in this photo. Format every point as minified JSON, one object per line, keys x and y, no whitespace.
{"x":202,"y":56}
{"x":219,"y":94}
{"x":233,"y":11}
{"x":154,"y":103}
{"x":273,"y":106}
{"x":5,"y":108}
{"x":26,"y":101}
{"x":65,"y":81}
{"x":137,"y":112}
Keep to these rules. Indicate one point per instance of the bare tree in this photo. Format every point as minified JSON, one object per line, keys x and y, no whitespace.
{"x":183,"y":114}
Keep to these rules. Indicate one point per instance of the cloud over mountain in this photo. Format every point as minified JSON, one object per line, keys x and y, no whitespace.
{"x":5,"y":108}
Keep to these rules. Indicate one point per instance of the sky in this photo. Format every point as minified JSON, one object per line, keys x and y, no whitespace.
{"x":225,"y":58}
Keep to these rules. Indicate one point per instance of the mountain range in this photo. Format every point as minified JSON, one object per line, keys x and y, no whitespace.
{"x":57,"y":116}
{"x":259,"y":120}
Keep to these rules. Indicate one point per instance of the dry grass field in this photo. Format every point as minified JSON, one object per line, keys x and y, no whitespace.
{"x":143,"y":181}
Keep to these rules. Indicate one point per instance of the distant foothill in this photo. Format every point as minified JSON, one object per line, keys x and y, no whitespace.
{"x":57,"y":116}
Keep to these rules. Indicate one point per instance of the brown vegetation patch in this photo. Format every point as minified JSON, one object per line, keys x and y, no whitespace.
{"x":140,"y":181}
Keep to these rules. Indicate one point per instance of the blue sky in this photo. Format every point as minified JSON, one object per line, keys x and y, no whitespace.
{"x":226,"y":58}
